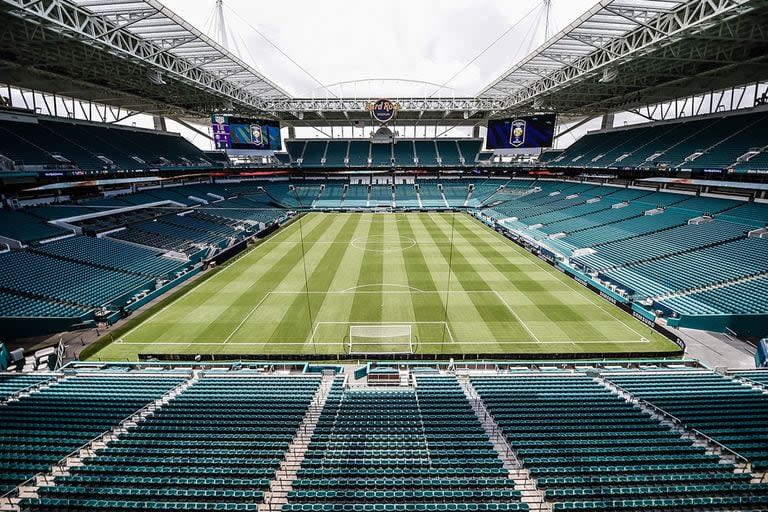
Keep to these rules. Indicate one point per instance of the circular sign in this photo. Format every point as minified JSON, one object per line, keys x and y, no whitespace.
{"x":383,"y":110}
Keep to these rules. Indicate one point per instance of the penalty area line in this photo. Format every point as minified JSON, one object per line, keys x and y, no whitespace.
{"x":517,"y":317}
{"x":246,"y":317}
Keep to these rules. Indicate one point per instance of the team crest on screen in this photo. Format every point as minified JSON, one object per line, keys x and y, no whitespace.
{"x":256,"y":135}
{"x":517,"y":133}
{"x":383,"y":110}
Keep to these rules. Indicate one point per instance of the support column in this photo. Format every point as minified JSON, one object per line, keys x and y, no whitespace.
{"x":607,"y":121}
{"x":159,"y":122}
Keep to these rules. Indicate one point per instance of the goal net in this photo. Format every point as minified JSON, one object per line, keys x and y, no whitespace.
{"x":380,"y":339}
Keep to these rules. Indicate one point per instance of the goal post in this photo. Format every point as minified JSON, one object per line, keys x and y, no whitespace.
{"x":381,"y":339}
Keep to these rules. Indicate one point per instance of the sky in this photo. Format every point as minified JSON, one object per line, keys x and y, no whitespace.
{"x":343,"y":40}
{"x":446,"y":47}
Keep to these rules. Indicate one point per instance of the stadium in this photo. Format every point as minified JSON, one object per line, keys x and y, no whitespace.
{"x":422,"y":256}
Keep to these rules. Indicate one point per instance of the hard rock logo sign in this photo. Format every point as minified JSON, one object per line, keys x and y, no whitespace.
{"x":383,"y":111}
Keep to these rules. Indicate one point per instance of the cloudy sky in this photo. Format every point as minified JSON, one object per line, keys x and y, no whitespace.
{"x":307,"y":46}
{"x":343,"y":40}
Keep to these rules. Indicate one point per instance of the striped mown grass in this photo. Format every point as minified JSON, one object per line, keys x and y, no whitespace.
{"x":463,"y":289}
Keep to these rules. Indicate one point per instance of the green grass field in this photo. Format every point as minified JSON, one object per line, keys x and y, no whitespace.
{"x":388,"y":273}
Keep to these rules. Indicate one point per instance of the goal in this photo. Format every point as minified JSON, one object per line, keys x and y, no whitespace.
{"x":381,"y":339}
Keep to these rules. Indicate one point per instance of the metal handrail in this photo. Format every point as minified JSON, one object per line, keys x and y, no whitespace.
{"x":680,"y":422}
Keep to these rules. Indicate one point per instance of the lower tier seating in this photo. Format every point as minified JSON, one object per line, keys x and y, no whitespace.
{"x":31,"y":273}
{"x":13,"y":383}
{"x":46,"y":426}
{"x":112,"y":254}
{"x":589,"y":449}
{"x":730,"y":412}
{"x":216,"y":446}
{"x":402,"y":449}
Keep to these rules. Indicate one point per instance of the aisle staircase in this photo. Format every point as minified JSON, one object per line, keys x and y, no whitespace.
{"x":18,"y":395}
{"x":282,"y":484}
{"x":530,"y":493}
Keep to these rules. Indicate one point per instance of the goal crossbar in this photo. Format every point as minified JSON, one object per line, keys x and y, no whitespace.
{"x":380,"y":338}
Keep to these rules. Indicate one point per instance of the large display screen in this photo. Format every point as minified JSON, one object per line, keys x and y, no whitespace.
{"x":521,"y":132}
{"x":245,"y":134}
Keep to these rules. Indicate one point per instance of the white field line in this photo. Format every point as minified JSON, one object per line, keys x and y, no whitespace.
{"x":246,"y":317}
{"x":642,"y":339}
{"x":578,"y":288}
{"x":385,"y":292}
{"x":311,"y":339}
{"x":517,"y":317}
{"x":194,"y":287}
{"x":405,"y":286}
{"x":448,"y":328}
{"x":302,"y":342}
{"x":326,"y":242}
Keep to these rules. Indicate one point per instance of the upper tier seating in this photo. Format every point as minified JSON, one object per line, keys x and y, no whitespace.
{"x":381,"y":155}
{"x":449,"y":153}
{"x":470,"y":149}
{"x":714,"y":142}
{"x":90,"y":146}
{"x":404,"y":153}
{"x":339,"y":153}
{"x":283,"y":158}
{"x":295,"y":148}
{"x":336,"y":153}
{"x":314,"y":152}
{"x":359,"y":151}
{"x":426,"y":152}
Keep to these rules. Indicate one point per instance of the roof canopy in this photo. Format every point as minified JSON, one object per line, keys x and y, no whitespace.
{"x":621,"y":54}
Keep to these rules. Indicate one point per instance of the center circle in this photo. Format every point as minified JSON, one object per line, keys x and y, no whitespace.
{"x":383,"y":243}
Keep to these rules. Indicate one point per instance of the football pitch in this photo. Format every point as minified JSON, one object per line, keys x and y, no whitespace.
{"x":355,"y":283}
